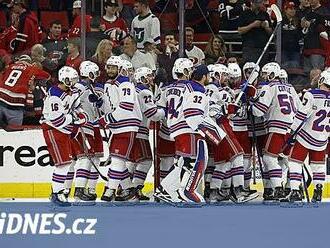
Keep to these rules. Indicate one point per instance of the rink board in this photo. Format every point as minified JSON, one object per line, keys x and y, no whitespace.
{"x":163,"y":226}
{"x":25,"y":169}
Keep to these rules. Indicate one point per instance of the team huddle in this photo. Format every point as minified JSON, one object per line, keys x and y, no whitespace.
{"x":210,"y":122}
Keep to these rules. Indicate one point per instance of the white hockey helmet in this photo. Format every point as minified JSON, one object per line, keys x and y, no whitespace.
{"x":325,"y":78}
{"x":210,"y":68}
{"x":115,"y":61}
{"x":234,"y":71}
{"x":283,"y":76}
{"x":68,"y":76}
{"x":271,"y":70}
{"x":220,"y":69}
{"x":142,"y":74}
{"x":127,"y":65}
{"x":183,"y":66}
{"x":89,"y":69}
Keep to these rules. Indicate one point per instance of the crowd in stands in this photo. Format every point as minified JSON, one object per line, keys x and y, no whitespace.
{"x":39,"y":29}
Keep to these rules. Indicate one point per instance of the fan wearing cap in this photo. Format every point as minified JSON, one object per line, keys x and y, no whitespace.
{"x":111,"y":24}
{"x":311,"y":140}
{"x":291,"y":34}
{"x":16,"y":86}
{"x":75,"y":29}
{"x":28,"y":31}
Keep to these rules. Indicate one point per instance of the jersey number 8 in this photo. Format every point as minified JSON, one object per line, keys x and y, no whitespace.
{"x":13,"y":78}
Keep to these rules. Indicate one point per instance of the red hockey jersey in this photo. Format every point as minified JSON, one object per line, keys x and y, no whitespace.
{"x":14,"y":86}
{"x":7,"y":39}
{"x":75,"y":29}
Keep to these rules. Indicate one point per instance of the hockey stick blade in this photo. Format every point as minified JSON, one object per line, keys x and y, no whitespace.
{"x":277,"y":13}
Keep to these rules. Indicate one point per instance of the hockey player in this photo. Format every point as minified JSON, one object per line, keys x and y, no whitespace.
{"x":59,"y":124}
{"x":123,"y":117}
{"x":141,"y":151}
{"x":187,"y":109}
{"x":311,"y":125}
{"x":90,"y":103}
{"x":277,"y":102}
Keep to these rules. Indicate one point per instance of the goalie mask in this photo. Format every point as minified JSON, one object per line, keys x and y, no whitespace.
{"x":270,"y":71}
{"x":89,"y":70}
{"x":68,"y":76}
{"x":182,"y":66}
{"x":144,"y":75}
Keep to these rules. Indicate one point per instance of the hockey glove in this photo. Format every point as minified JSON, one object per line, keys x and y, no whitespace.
{"x":80,"y":119}
{"x":209,"y":129}
{"x":251,"y":91}
{"x":232,"y":108}
{"x":95,"y":99}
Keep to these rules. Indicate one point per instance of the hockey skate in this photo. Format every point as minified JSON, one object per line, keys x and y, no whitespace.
{"x":294,"y":196}
{"x":279,"y":194}
{"x":59,"y":199}
{"x":162,"y":195}
{"x":108,"y":195}
{"x":248,"y":191}
{"x":81,"y":198}
{"x":127,"y":195}
{"x":217,"y":195}
{"x":139,"y":195}
{"x":268,"y":195}
{"x":91,"y":193}
{"x":317,"y":196}
{"x":237,"y":195}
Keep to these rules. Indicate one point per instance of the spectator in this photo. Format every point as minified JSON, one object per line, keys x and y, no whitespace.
{"x":74,"y":58}
{"x":312,"y":25}
{"x":111,"y":24}
{"x":303,"y":9}
{"x":56,"y":44}
{"x":193,"y":52}
{"x":28,"y":32}
{"x":7,"y":38}
{"x":291,"y":34}
{"x":145,"y":26}
{"x":75,"y":29}
{"x":5,"y":56}
{"x":150,"y":48}
{"x":4,"y":13}
{"x":136,"y":57}
{"x":170,"y":54}
{"x":215,"y":50}
{"x":94,"y":37}
{"x":37,"y":56}
{"x":127,"y":11}
{"x":254,"y":26}
{"x":16,"y":90}
{"x":103,"y":52}
{"x":229,"y":14}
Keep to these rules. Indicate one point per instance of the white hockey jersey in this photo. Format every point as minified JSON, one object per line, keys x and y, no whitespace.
{"x":121,"y":106}
{"x":146,"y":28}
{"x":277,"y":102}
{"x":314,"y":116}
{"x":149,"y":110}
{"x":57,"y":110}
{"x":187,"y":106}
{"x":83,"y":89}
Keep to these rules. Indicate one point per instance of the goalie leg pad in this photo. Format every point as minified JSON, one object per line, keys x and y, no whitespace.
{"x":197,"y":173}
{"x":211,"y":131}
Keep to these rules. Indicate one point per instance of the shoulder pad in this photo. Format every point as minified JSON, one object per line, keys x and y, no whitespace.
{"x":141,"y":87}
{"x":194,"y":86}
{"x":122,"y":79}
{"x":56,"y":91}
{"x":320,"y":93}
{"x":99,"y":85}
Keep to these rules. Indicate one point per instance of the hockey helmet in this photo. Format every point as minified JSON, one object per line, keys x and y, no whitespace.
{"x":270,"y":71}
{"x":248,"y":67}
{"x":183,"y":66}
{"x":89,"y":69}
{"x":143,"y":75}
{"x":325,"y":78}
{"x":234,"y":71}
{"x":283,"y":76}
{"x":68,"y":76}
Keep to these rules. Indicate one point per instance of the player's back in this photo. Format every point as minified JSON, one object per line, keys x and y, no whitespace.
{"x":315,"y":117}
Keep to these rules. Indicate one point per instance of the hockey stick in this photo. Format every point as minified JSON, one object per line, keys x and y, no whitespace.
{"x":85,"y":146}
{"x":305,"y":184}
{"x":278,"y":15}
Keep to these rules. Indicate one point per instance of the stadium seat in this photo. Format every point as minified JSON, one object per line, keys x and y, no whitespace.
{"x":169,"y":22}
{"x":46,"y":17}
